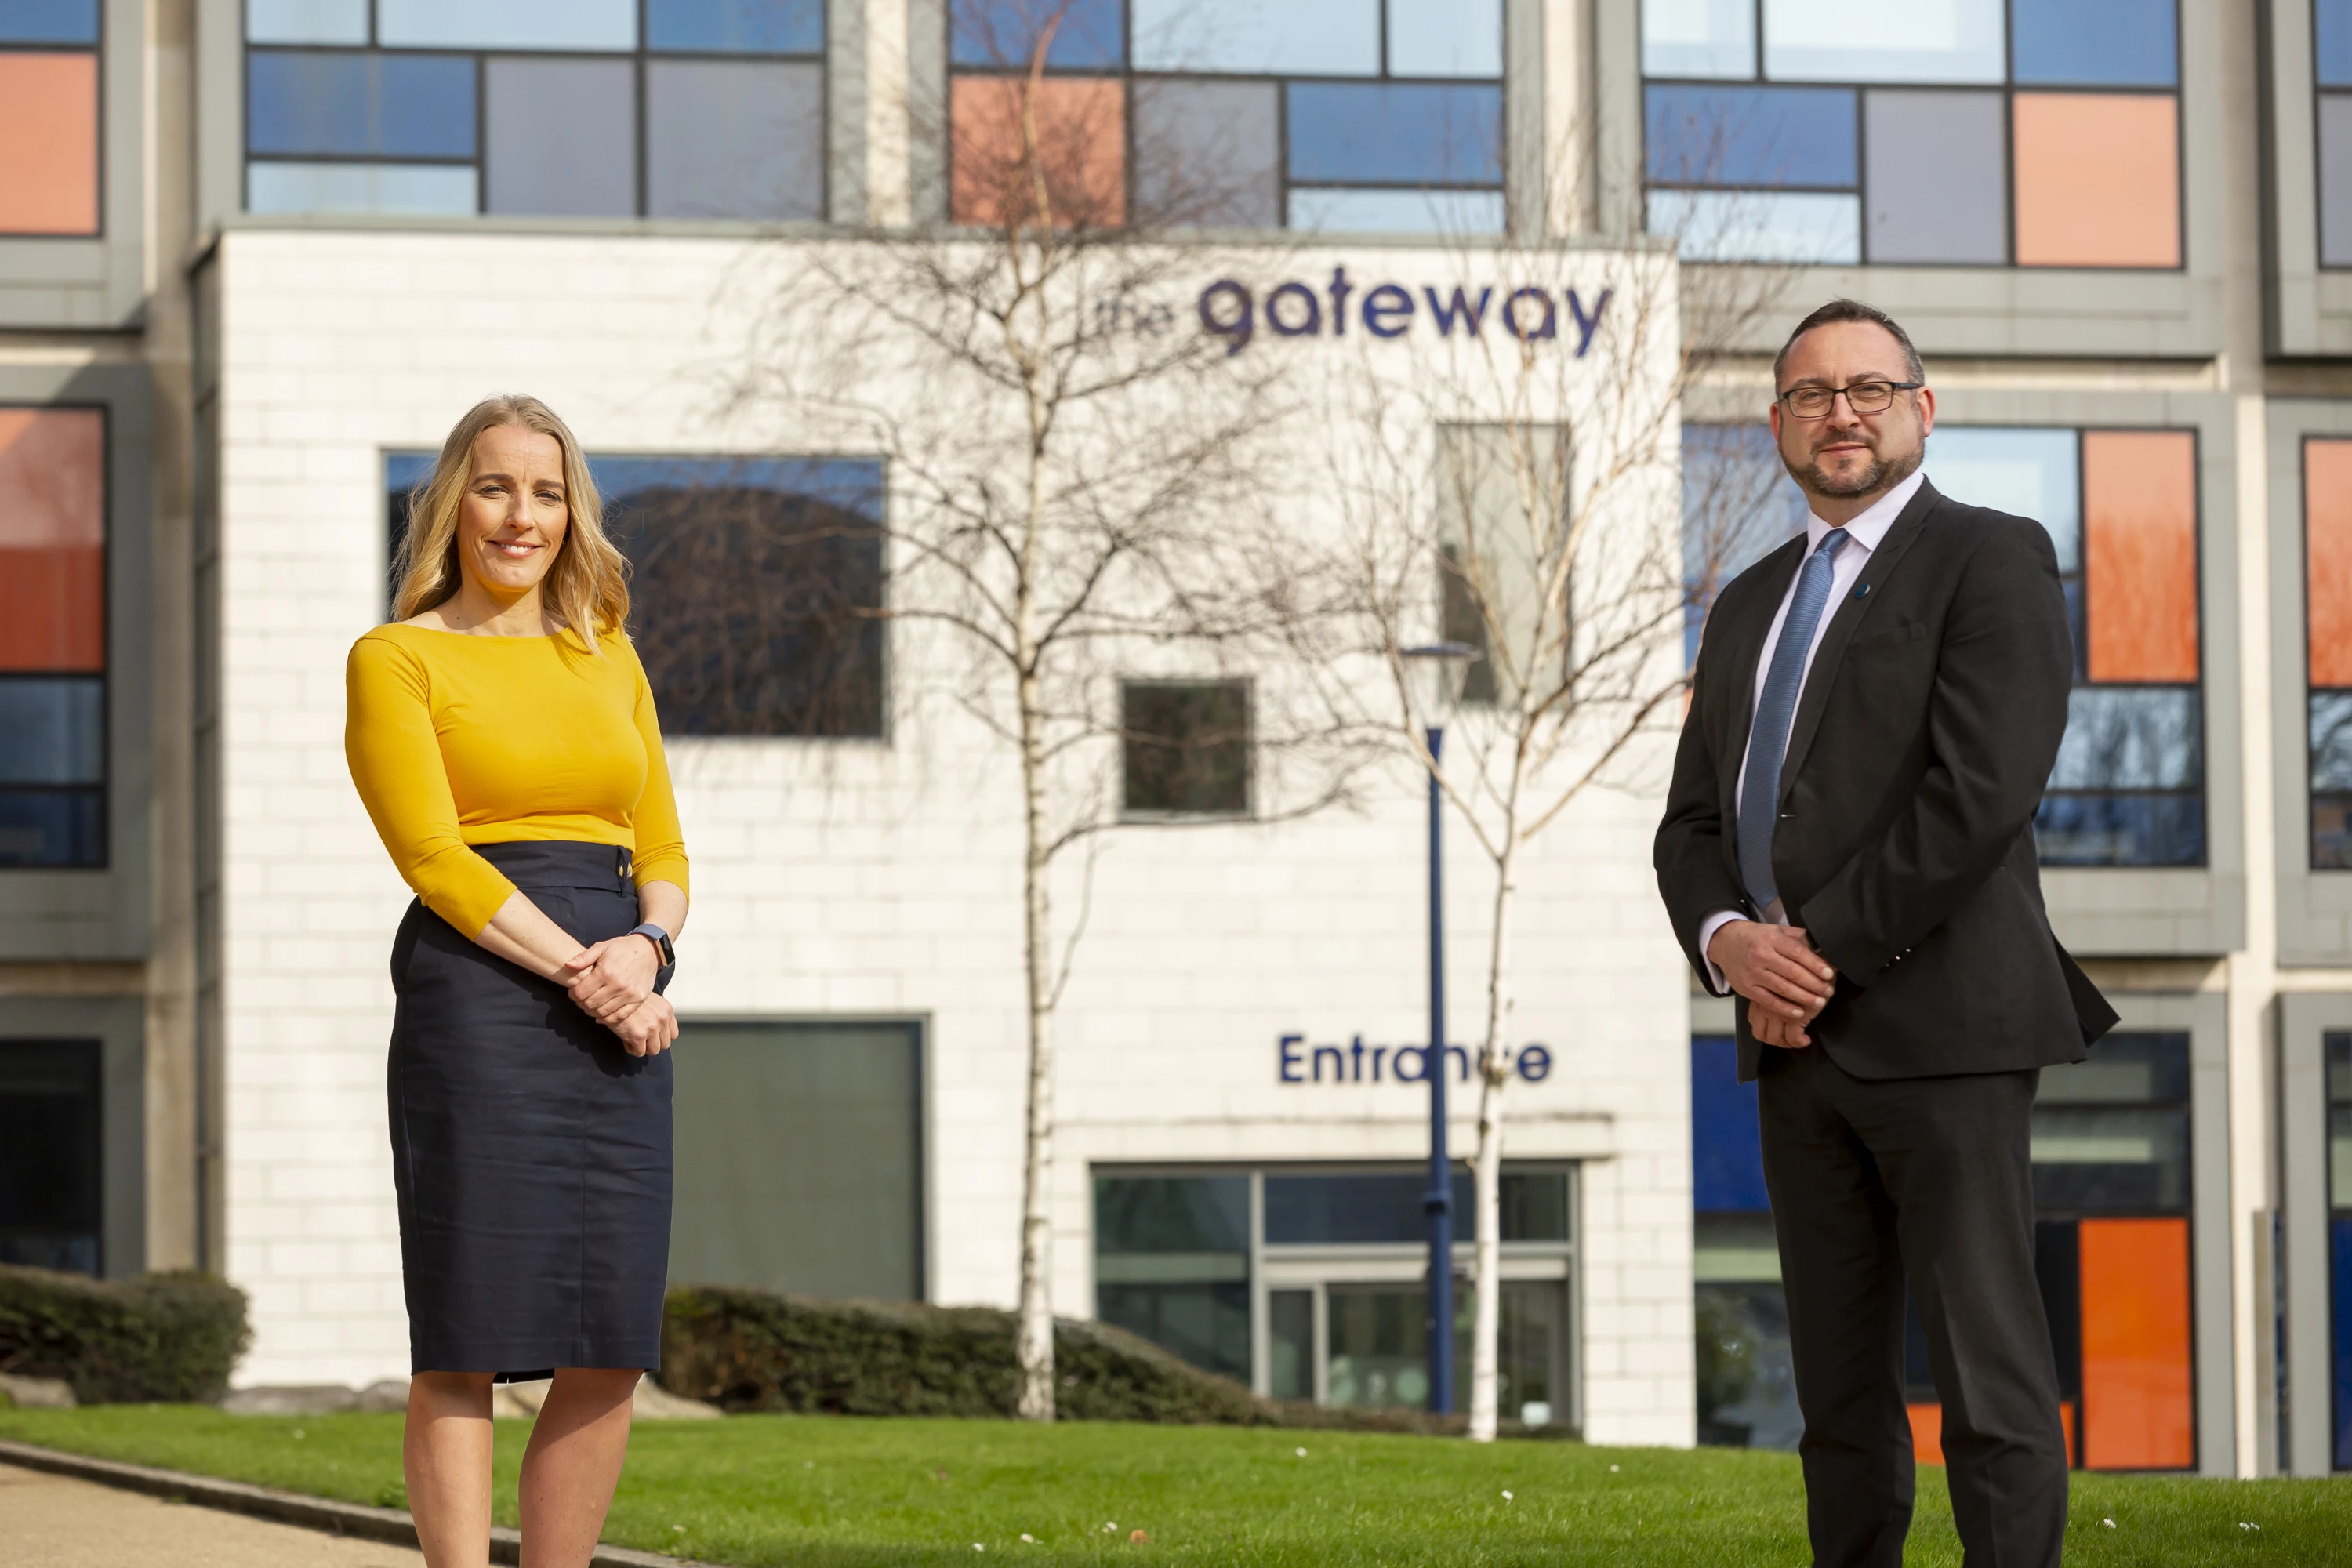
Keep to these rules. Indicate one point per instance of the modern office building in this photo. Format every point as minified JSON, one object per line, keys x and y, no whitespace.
{"x":255,"y":260}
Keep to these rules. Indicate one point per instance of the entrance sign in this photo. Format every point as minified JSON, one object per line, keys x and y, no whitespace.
{"x":1295,"y":1061}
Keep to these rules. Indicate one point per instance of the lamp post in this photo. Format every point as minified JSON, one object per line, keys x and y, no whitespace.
{"x":1438,"y":672}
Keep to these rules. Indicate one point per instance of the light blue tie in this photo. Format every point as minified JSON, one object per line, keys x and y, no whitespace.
{"x":1768,"y":742}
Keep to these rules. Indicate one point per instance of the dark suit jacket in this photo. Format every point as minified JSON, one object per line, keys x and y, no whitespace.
{"x":1922,"y":741}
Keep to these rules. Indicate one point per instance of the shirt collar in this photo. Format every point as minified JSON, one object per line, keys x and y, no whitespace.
{"x":1870,"y":528}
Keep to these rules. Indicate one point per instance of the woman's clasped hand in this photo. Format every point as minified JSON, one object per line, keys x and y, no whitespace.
{"x":612,"y":983}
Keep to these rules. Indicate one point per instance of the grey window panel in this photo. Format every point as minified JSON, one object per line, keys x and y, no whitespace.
{"x":1208,"y":153}
{"x":734,"y":139}
{"x":2334,"y":180}
{"x":560,"y":138}
{"x":1938,"y":189}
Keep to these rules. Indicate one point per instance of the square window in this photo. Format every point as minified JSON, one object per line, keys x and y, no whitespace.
{"x":48,"y":143}
{"x":307,"y":103}
{"x":2098,"y":180}
{"x":1087,"y":34}
{"x":2139,"y":554}
{"x":2026,"y":471}
{"x":1738,"y":506}
{"x":1699,"y":38}
{"x":1328,"y":209}
{"x":2131,"y":738}
{"x":1258,"y":37}
{"x":1208,"y":153}
{"x":1938,"y":189}
{"x":48,"y":21}
{"x":1772,"y":136}
{"x":409,"y":190}
{"x":2094,"y":43}
{"x":2335,"y":179}
{"x":1082,"y":149}
{"x":535,"y":25}
{"x":1186,"y":748}
{"x":561,"y":137}
{"x":55,"y":730}
{"x":1918,"y":40}
{"x":1445,"y":37}
{"x":306,"y":21}
{"x":1798,"y":227}
{"x":736,"y":27}
{"x":1395,"y":134}
{"x":735,"y":139}
{"x":53,"y":538}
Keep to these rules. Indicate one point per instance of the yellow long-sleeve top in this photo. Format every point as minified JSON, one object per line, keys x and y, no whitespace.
{"x":456,"y":740}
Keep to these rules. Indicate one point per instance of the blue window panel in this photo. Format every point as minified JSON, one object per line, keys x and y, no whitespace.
{"x":2094,"y":43}
{"x":52,"y":828}
{"x":2339,"y":1235}
{"x":2331,"y":27}
{"x":852,"y":484}
{"x":534,"y":24}
{"x":737,"y":27}
{"x":2331,"y":742}
{"x":1699,"y":38}
{"x":1445,"y":37}
{"x":48,"y":21}
{"x":383,"y":106}
{"x":1727,"y":1138}
{"x":1802,"y":136}
{"x":1359,"y":1209}
{"x":1330,"y":211}
{"x":1738,"y":505}
{"x":1399,"y":133}
{"x":1092,"y":33}
{"x":1918,"y":40}
{"x":1255,"y":37}
{"x":305,"y":21}
{"x":2025,"y":470}
{"x":2121,"y":830}
{"x":2131,"y":738}
{"x":55,"y":730}
{"x":1797,"y":226}
{"x":404,"y":190}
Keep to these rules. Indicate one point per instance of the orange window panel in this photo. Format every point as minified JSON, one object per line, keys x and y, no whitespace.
{"x":2327,"y":559}
{"x":53,"y":538}
{"x":2140,"y":554}
{"x":1078,"y":147}
{"x":48,"y":143}
{"x":1927,"y":1431}
{"x":2098,"y":180}
{"x":2138,"y":1412}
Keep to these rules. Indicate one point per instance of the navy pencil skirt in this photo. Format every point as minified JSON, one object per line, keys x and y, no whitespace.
{"x":531,"y":1152}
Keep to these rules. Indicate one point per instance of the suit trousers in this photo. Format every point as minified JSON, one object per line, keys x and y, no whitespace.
{"x":1873,"y":1181}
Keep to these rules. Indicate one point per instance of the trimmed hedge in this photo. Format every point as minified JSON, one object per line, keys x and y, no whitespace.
{"x":745,"y":1350}
{"x":169,"y":1337}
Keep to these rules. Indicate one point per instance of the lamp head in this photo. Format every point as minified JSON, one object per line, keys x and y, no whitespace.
{"x":1435,"y":674}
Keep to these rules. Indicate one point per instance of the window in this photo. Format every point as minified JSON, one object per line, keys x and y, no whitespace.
{"x":1186,"y":748}
{"x":2340,"y":1233}
{"x":1502,"y":521}
{"x":2331,"y":57}
{"x":50,"y":1154}
{"x":756,"y":591}
{"x":2327,"y":587}
{"x":1176,"y":1255}
{"x":536,"y":106}
{"x":799,"y":1159}
{"x":50,"y":106}
{"x":2031,"y":133}
{"x":53,"y":770}
{"x":1738,"y":505}
{"x":1350,"y":115}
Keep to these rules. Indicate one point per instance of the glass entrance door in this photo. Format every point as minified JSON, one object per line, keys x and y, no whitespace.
{"x":1371,"y":1350}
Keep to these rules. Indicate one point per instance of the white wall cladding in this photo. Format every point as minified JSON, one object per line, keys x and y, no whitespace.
{"x":852,"y":877}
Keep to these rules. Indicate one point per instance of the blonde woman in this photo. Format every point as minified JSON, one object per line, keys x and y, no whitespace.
{"x":503,"y":737}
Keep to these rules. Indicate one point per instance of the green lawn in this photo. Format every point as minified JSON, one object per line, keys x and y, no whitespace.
{"x":815,"y":1492}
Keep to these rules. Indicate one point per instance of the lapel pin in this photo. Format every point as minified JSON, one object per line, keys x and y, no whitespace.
{"x":1858,"y":592}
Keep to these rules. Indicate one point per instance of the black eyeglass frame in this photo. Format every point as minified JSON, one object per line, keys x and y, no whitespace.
{"x":1847,"y":391}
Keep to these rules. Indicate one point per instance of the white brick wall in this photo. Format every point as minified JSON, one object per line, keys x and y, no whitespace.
{"x":856,"y":878}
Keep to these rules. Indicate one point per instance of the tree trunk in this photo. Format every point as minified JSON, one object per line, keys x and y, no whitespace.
{"x":1033,"y":1343}
{"x":1494,"y":1074}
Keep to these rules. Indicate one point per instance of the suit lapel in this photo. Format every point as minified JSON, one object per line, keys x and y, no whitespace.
{"x":1842,"y":622}
{"x":1743,"y":645}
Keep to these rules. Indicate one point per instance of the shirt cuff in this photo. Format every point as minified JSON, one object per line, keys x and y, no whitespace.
{"x":1707,"y":929}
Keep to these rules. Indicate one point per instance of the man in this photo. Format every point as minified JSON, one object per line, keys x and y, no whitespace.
{"x":1848,"y":845}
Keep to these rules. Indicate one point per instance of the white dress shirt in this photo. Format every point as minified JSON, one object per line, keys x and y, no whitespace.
{"x":1863,"y":536}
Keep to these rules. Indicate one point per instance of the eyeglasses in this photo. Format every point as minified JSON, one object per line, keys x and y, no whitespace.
{"x":1863,"y":397}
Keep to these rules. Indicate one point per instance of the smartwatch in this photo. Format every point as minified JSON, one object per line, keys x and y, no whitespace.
{"x":660,"y":940}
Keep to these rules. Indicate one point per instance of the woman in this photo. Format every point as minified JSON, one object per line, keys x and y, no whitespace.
{"x":503,"y":738}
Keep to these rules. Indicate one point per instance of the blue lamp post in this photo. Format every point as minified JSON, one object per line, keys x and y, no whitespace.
{"x":1439,"y":670}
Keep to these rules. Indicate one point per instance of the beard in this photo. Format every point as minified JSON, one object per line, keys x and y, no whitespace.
{"x":1878,"y":474}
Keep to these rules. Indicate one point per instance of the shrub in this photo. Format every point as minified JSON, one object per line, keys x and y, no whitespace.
{"x":158,"y":1337}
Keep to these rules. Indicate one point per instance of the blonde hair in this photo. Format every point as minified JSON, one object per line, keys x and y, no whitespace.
{"x":589,"y":582}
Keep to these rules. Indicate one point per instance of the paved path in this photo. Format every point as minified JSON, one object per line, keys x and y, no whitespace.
{"x":55,"y":1521}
